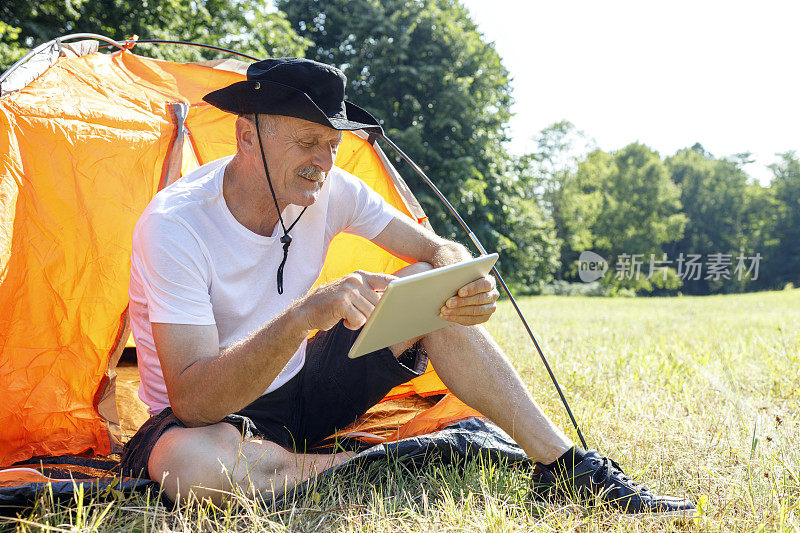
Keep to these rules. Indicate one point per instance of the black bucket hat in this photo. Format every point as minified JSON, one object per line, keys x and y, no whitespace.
{"x":294,"y":87}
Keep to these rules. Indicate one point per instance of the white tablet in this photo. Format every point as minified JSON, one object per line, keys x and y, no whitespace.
{"x":410,"y":306}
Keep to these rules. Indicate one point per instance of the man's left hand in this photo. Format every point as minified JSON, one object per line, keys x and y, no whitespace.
{"x":473,"y":304}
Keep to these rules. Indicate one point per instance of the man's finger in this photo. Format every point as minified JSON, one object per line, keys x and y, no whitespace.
{"x":369,"y":294}
{"x":484,"y":284}
{"x":479,"y":299}
{"x":364,"y":306}
{"x":471,"y":310}
{"x":353,"y":318}
{"x":376,"y":280}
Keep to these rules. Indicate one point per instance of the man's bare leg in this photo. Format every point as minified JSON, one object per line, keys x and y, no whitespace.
{"x":472,"y":365}
{"x":212,"y":460}
{"x":474,"y":368}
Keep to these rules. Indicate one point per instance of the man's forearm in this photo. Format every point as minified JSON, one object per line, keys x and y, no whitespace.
{"x":215,"y":387}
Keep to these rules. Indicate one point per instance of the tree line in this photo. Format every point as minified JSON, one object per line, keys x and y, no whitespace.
{"x":690,"y":222}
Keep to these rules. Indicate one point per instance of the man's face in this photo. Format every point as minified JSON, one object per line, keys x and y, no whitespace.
{"x":299,"y":156}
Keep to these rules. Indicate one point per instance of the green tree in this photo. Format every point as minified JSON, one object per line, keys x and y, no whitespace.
{"x":10,"y":50}
{"x":715,"y":195}
{"x":547,"y":171}
{"x":781,"y":264}
{"x":243,"y":25}
{"x":441,"y":92}
{"x":623,"y":205}
{"x":761,"y":218}
{"x":525,"y":233}
{"x":582,"y":199}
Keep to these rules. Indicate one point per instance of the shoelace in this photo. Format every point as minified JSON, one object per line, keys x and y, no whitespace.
{"x":610,"y":469}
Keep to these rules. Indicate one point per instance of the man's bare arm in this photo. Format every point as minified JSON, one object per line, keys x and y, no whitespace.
{"x":475,"y":302}
{"x":205,"y":383}
{"x":412,"y":242}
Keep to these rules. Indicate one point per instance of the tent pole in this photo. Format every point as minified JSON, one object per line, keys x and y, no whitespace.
{"x":497,"y":275}
{"x":57,"y":41}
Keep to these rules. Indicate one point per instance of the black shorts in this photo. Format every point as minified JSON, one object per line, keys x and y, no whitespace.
{"x":330,"y":392}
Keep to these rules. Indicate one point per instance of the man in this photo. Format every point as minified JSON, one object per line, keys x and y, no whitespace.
{"x":221,"y":310}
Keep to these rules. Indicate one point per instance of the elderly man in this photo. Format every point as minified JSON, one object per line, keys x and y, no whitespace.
{"x":221,"y":310}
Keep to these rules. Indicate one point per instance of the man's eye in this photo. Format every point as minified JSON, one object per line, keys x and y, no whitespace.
{"x":307,"y":144}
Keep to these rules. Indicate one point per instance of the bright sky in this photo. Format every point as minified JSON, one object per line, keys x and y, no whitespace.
{"x":668,"y":74}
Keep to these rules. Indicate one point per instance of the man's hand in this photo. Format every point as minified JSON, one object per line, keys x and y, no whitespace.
{"x":473,"y":304}
{"x":351,"y":298}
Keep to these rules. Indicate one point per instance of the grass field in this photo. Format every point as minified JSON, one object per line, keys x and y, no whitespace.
{"x":694,"y":396}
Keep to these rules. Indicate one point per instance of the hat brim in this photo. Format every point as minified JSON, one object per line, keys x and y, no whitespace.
{"x":272,"y":98}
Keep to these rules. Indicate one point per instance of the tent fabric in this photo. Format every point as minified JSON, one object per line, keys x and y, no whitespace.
{"x":455,"y":444}
{"x":83,"y":148}
{"x":457,"y":441}
{"x":65,"y":476}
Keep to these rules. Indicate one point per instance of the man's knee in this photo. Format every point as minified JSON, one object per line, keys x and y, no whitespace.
{"x":414,"y":268}
{"x":195,"y":459}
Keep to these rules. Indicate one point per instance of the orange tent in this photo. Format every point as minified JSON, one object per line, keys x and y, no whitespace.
{"x":86,"y":140}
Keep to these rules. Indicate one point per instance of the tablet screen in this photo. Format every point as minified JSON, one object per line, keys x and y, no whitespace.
{"x":409,"y":307}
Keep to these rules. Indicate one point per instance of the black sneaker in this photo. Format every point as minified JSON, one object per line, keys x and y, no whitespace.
{"x":598,"y":476}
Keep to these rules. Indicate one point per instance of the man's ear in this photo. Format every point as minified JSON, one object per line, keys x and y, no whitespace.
{"x":246,"y":136}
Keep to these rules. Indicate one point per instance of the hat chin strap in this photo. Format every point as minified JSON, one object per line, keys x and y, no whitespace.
{"x":286,"y":239}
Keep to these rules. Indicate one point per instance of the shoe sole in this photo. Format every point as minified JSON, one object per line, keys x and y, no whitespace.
{"x":672,"y":516}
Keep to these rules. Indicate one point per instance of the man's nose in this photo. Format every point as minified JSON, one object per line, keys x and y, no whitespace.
{"x":324,"y":157}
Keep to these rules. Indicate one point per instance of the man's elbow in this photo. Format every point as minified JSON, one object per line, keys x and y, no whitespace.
{"x":450,"y":252}
{"x":191,"y":414}
{"x":460,"y":249}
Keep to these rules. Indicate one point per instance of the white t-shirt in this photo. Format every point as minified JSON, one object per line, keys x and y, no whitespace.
{"x":194,"y":263}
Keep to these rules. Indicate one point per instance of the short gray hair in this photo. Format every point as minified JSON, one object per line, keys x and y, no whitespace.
{"x":268,"y":123}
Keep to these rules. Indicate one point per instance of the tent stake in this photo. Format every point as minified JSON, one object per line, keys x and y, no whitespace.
{"x":497,"y":275}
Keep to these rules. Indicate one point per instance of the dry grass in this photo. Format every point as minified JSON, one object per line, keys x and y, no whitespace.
{"x":696,"y":396}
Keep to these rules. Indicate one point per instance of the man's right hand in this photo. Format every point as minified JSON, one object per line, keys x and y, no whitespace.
{"x":351,"y":298}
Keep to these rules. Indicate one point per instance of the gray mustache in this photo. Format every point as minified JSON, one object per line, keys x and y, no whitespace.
{"x":312,"y":173}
